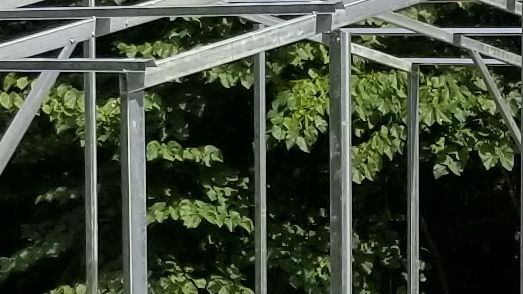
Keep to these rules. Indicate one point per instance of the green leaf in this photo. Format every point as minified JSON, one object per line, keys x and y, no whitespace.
{"x":300,"y":141}
{"x":5,"y":100}
{"x":22,"y":83}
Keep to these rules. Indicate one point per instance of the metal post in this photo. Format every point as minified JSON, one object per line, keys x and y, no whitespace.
{"x":133,"y":183}
{"x":340,"y":163}
{"x":413,"y":183}
{"x":91,"y":170}
{"x":260,"y":172}
{"x":501,"y":105}
{"x":23,"y":118}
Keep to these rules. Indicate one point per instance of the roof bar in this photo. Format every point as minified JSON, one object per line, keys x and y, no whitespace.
{"x":512,"y":6}
{"x":48,"y":40}
{"x":109,"y":65}
{"x":501,"y":31}
{"x":452,"y":61}
{"x":232,"y":49}
{"x":359,"y":50}
{"x":287,"y":32}
{"x":292,"y":8}
{"x":450,"y":38}
{"x":501,"y":105}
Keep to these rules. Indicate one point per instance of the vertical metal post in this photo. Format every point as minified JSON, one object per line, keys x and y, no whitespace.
{"x":260,"y":172}
{"x":340,"y":163}
{"x":413,"y":183}
{"x":133,"y":183}
{"x":91,"y":170}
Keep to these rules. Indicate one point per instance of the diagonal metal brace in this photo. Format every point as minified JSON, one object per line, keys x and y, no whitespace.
{"x":501,"y":105}
{"x":25,"y":115}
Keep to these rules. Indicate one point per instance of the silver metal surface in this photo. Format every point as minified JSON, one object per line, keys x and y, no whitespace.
{"x":48,"y":40}
{"x":387,"y":31}
{"x":512,"y":6}
{"x":91,"y":169}
{"x":108,"y":65}
{"x":340,"y":164}
{"x":501,"y":105}
{"x":453,"y":61}
{"x":22,"y":120}
{"x":413,"y":183}
{"x":450,"y":38}
{"x":284,"y":33}
{"x":9,"y":4}
{"x":381,"y":58}
{"x":232,"y":49}
{"x":260,"y":172}
{"x":362,"y":51}
{"x":79,"y":31}
{"x":294,"y":8}
{"x":134,"y":205}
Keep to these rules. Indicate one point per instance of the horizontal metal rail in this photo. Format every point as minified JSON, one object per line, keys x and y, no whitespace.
{"x":452,"y":61}
{"x":165,"y":11}
{"x":477,"y":32}
{"x":109,"y":65}
{"x":451,"y":38}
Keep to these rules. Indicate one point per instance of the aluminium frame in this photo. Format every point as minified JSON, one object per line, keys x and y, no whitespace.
{"x":276,"y":34}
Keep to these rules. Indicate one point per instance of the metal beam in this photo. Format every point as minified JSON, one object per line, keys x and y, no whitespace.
{"x":108,"y":65}
{"x":78,"y":32}
{"x":91,"y":169}
{"x":486,"y":32}
{"x":283,"y":8}
{"x":452,"y":61}
{"x":23,"y":118}
{"x":134,"y":206}
{"x":260,"y":172}
{"x":8,"y":4}
{"x":284,"y":33}
{"x":81,"y":31}
{"x":501,"y":105}
{"x":48,"y":40}
{"x":413,"y":248}
{"x":512,"y":6}
{"x":450,"y":38}
{"x":232,"y":49}
{"x":359,"y":50}
{"x":340,"y":126}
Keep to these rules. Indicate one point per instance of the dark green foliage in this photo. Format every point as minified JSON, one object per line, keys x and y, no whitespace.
{"x":199,"y":155}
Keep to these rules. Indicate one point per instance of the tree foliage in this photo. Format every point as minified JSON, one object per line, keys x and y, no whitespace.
{"x":200,"y":197}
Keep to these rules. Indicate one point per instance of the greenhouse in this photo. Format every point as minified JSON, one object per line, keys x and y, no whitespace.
{"x":376,"y":104}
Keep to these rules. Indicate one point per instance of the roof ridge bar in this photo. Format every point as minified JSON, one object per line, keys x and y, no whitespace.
{"x":290,"y":8}
{"x":451,"y":38}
